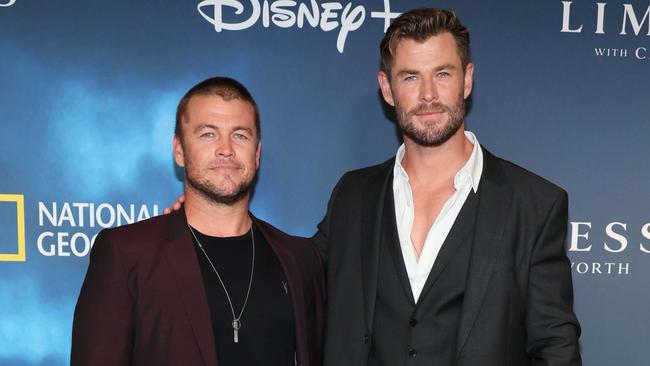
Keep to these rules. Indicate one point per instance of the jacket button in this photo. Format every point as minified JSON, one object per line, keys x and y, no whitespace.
{"x":413,"y":322}
{"x":366,"y":338}
{"x":413,"y":353}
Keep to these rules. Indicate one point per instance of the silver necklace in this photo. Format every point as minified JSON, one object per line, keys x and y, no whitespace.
{"x":236,"y":320}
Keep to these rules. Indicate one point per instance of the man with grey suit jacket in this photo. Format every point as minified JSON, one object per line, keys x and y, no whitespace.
{"x":445,"y":254}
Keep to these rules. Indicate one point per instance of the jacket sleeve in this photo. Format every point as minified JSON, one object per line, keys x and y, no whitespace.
{"x":102,"y":330}
{"x":322,"y":236}
{"x":551,"y":325}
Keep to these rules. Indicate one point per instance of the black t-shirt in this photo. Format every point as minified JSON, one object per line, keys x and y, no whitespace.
{"x":267,"y":333}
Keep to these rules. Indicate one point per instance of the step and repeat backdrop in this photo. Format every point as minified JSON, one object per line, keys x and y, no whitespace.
{"x":88,"y":91}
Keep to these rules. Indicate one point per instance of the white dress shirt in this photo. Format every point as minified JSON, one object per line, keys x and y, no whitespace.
{"x":465,"y":180}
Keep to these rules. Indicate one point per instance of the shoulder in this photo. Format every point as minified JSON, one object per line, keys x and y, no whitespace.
{"x":273,"y":233}
{"x":516,"y":176}
{"x":132,"y":239}
{"x":528,"y":188}
{"x":150,"y":227}
{"x":296,"y":245}
{"x":355,"y":181}
{"x":370,"y":172}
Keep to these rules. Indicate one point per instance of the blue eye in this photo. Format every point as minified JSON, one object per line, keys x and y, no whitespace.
{"x":207,"y":135}
{"x":411,"y":78}
{"x":240,"y":136}
{"x":443,"y":74}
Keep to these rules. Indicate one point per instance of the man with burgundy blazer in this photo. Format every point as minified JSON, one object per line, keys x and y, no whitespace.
{"x":444,"y":255}
{"x":208,"y":284}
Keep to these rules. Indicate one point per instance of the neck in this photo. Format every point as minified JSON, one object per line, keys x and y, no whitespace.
{"x":215,"y":219}
{"x":436,"y":164}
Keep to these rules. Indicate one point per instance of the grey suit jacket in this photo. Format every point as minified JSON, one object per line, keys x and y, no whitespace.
{"x":517,"y":307}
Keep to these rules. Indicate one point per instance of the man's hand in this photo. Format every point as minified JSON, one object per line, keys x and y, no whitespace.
{"x":175,"y":206}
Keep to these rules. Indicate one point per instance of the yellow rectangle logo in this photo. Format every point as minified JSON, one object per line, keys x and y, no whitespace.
{"x":19,"y":199}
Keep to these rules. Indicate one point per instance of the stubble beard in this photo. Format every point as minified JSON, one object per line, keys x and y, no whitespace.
{"x":434,"y":133}
{"x":214,"y":193}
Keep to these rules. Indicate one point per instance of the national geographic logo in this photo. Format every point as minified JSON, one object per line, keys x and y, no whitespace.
{"x":64,"y":229}
{"x":620,"y":19}
{"x":17,"y":201}
{"x":69,"y":229}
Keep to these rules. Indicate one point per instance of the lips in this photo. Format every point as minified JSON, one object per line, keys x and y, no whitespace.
{"x":428,"y":113}
{"x":428,"y":109}
{"x":218,"y":165}
{"x":224,"y":166}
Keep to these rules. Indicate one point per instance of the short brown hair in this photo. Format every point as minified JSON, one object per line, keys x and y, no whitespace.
{"x":226,"y":88}
{"x":419,"y":25}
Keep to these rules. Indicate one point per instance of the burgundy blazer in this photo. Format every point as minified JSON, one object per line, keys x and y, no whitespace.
{"x":143,"y":300}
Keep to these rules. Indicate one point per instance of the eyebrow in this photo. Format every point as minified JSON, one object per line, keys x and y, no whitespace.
{"x":214,"y":127}
{"x":249,"y":130}
{"x":408,"y":72}
{"x":446,"y":66}
{"x":204,"y":125}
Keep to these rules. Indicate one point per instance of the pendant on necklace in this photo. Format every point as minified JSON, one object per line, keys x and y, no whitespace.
{"x":236,"y":324}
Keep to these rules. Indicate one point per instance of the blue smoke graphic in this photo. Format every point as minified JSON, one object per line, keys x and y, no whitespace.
{"x":100,"y":139}
{"x":35,"y":329}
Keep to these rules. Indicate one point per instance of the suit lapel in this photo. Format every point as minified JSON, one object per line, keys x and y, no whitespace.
{"x":371,"y":219}
{"x":189,"y":283}
{"x":390,"y":238}
{"x":462,"y":227}
{"x":494,"y":200}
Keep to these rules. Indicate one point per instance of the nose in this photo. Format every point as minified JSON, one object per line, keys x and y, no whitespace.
{"x":428,"y":90}
{"x":224,"y":148}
